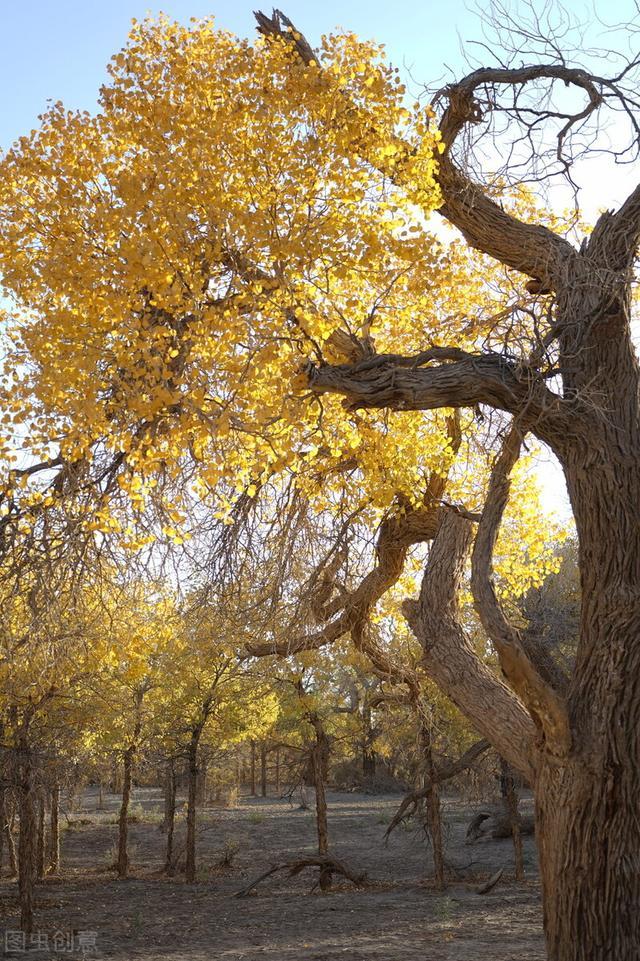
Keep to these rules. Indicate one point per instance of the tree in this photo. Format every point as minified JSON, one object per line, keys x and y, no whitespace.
{"x":208,"y":697}
{"x":234,"y":210}
{"x":578,"y":743}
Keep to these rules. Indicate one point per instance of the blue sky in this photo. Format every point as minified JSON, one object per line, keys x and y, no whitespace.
{"x":58,"y":49}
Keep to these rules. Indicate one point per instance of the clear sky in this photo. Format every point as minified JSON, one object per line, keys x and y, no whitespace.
{"x":58,"y":50}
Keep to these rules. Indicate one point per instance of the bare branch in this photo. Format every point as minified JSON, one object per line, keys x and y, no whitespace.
{"x":443,"y":773}
{"x":616,"y":236}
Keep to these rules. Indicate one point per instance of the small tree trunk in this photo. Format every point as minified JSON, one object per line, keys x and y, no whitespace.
{"x":368,"y":753}
{"x":277,"y":772}
{"x":123,"y":823}
{"x":170,"y":814}
{"x":190,"y":866}
{"x":26,"y":842}
{"x":253,"y":769}
{"x":168,"y":791}
{"x":115,"y":785}
{"x":201,"y":783}
{"x":54,"y":829}
{"x":511,"y":800}
{"x":319,"y":753}
{"x":100,"y":796}
{"x":3,"y":820}
{"x":41,"y":846}
{"x":433,"y":813}
{"x":368,"y":763}
{"x":263,"y":769}
{"x":11,"y":843}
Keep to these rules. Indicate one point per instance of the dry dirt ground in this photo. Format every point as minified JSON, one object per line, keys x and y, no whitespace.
{"x":398,"y":917}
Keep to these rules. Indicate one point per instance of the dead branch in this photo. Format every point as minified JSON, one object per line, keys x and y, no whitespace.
{"x":329,"y":864}
{"x":491,"y":883}
{"x":443,"y":773}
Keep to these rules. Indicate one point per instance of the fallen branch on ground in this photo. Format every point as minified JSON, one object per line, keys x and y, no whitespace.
{"x":295,"y":867}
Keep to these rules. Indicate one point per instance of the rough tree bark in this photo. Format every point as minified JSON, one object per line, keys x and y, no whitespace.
{"x":580,"y":747}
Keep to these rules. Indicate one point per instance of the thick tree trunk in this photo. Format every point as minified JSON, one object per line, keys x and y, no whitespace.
{"x":192,"y":800}
{"x":122,"y":864}
{"x":588,"y":846}
{"x":54,"y":829}
{"x":587,"y":807}
{"x":26,"y":841}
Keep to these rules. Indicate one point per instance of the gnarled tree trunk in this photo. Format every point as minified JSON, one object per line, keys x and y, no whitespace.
{"x":587,"y":806}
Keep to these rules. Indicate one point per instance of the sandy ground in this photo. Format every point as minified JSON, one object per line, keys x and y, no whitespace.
{"x":399,"y":916}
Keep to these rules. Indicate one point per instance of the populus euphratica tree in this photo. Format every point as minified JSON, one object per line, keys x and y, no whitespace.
{"x":235,"y":209}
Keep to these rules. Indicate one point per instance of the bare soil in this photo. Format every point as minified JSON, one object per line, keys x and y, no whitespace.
{"x":399,"y":916}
